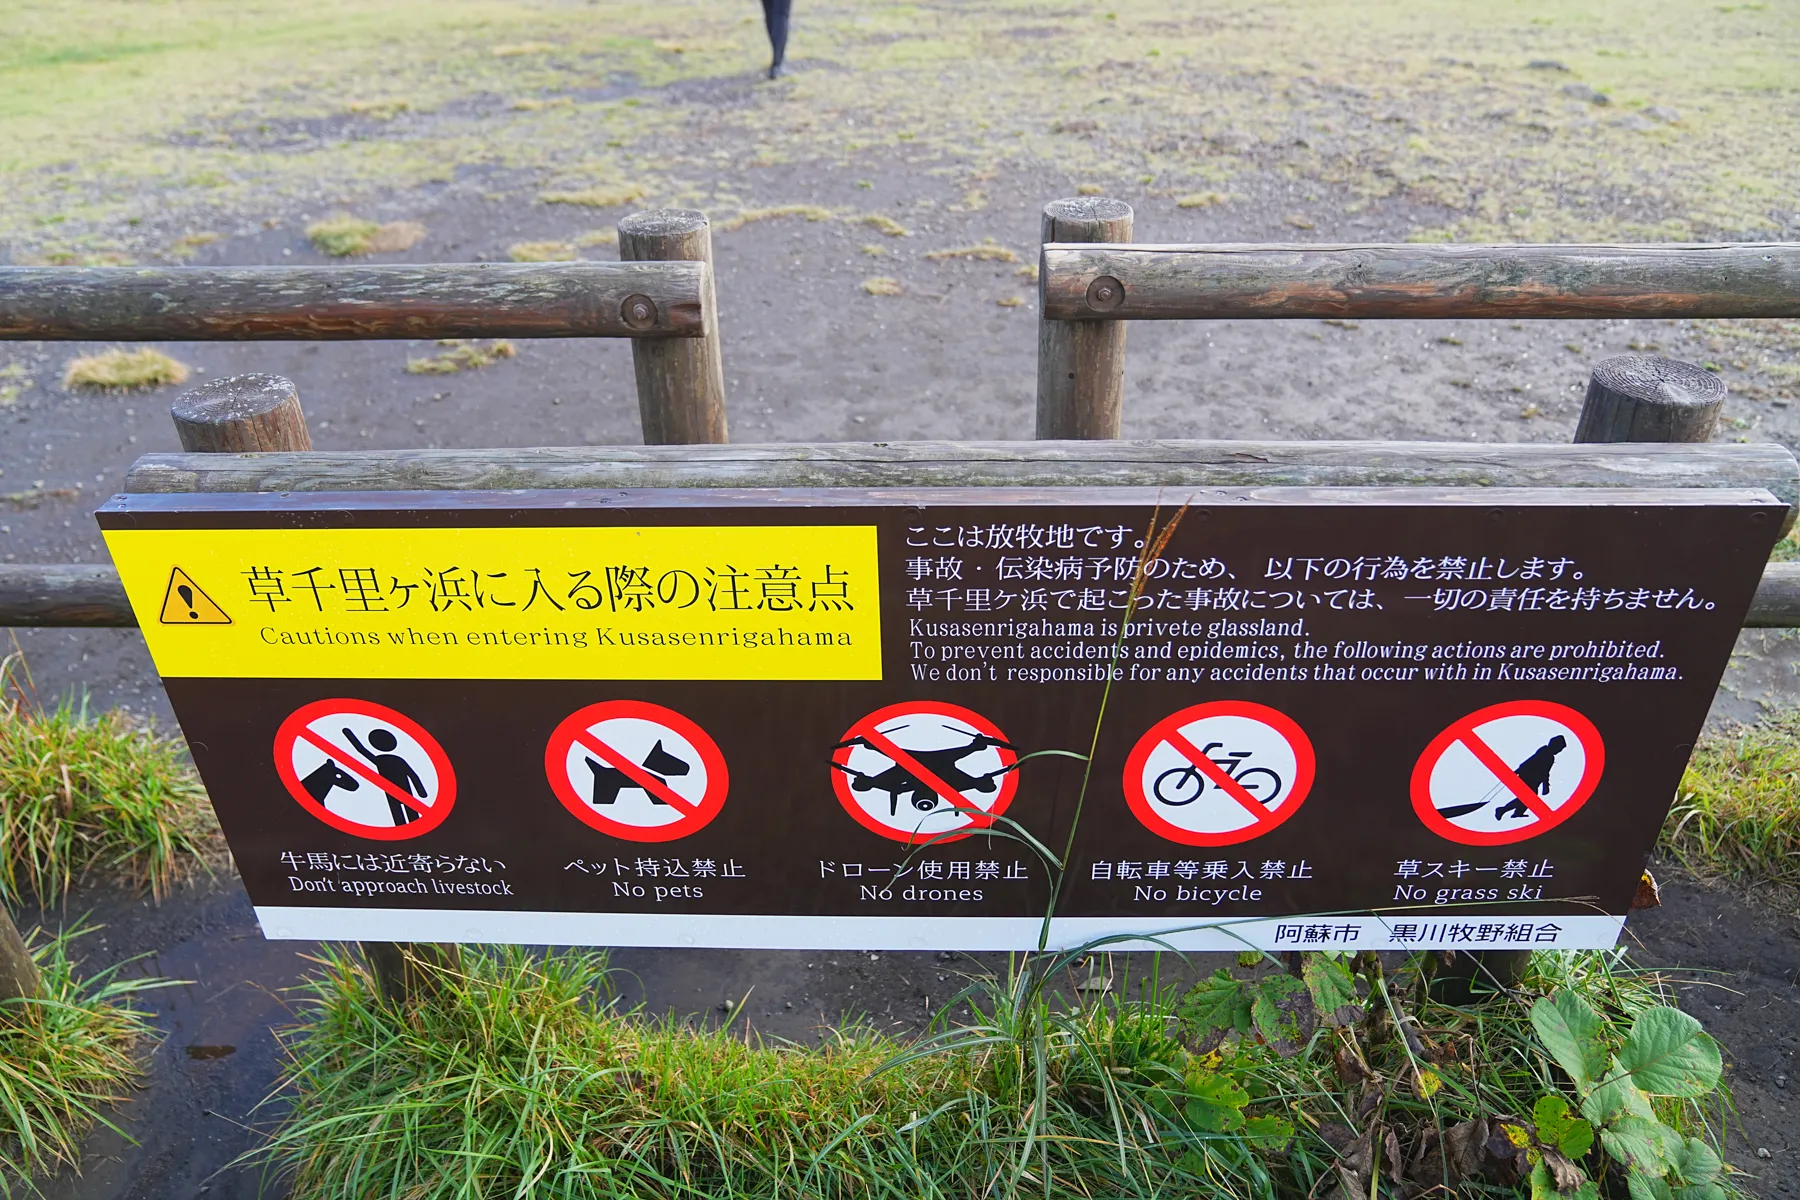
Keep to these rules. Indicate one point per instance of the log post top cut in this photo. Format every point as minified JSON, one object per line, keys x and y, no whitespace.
{"x":1188,"y":282}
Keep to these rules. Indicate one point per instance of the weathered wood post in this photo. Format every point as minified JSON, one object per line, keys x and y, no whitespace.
{"x":680,"y":381}
{"x":18,"y":974}
{"x":236,"y":414}
{"x":1081,"y":364}
{"x":1638,"y":398}
{"x":1630,"y":398}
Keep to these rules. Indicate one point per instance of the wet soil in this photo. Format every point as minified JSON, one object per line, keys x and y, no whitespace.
{"x":810,"y":356}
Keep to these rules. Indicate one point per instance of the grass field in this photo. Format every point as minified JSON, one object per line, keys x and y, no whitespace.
{"x":126,"y":126}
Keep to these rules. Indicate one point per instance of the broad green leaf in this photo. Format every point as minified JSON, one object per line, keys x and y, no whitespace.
{"x":1570,"y":1030}
{"x":1647,"y":1187}
{"x":1616,"y":1096}
{"x":1557,"y":1126}
{"x":1267,"y":1133}
{"x":1215,"y":1102}
{"x":1333,"y":989}
{"x":1697,"y":1163}
{"x":1701,"y":1191}
{"x":1643,"y":1143}
{"x":1669,"y":1054}
{"x":1541,"y":1186}
{"x":1218,"y":1003}
{"x":1272,"y":1008}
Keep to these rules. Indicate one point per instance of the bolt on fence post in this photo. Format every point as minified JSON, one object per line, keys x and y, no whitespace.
{"x":256,"y":412}
{"x":680,"y":381}
{"x":1081,"y":364}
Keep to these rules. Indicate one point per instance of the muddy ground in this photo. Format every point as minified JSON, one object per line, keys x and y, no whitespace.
{"x":810,"y":355}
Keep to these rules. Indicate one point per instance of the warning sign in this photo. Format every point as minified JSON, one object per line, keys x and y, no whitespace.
{"x":636,"y":771}
{"x":714,"y":601}
{"x":1218,"y":774}
{"x":185,"y":604}
{"x":1507,"y":772}
{"x":365,"y":769}
{"x":918,"y":770}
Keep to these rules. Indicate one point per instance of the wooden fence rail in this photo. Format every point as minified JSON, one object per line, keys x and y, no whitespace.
{"x":1121,"y":282}
{"x":521,"y":300}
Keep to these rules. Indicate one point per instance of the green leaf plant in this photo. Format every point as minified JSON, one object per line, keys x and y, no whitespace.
{"x":1664,"y":1054}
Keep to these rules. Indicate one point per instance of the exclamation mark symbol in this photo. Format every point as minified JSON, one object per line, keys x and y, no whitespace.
{"x":187,"y":597}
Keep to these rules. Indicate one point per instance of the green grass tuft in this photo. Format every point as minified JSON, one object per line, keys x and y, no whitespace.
{"x":1737,"y":815}
{"x":350,"y":237}
{"x":516,"y":1076}
{"x":461,"y":355}
{"x":66,"y":1054}
{"x":80,"y":793}
{"x":120,"y":370}
{"x":536,"y":252}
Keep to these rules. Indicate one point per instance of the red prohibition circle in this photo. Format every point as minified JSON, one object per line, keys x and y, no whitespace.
{"x":291,"y":732}
{"x":840,"y":782}
{"x":1305,"y":766}
{"x":694,"y":819}
{"x":1580,"y":726}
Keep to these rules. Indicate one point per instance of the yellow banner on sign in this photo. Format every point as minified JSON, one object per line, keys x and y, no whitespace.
{"x":712,"y":602}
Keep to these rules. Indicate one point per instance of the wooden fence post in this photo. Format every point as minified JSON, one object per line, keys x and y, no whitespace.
{"x":1630,"y":398}
{"x":1081,"y":364}
{"x":18,"y":974}
{"x":680,"y":381}
{"x":1637,"y":398}
{"x":246,"y":413}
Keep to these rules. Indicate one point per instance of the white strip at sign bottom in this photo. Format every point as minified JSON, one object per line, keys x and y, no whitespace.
{"x":1399,"y":931}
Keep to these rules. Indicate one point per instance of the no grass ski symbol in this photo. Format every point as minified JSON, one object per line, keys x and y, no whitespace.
{"x":1507,"y":773}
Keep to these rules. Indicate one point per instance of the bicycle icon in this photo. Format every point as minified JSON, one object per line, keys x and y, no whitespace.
{"x":1185,"y":784}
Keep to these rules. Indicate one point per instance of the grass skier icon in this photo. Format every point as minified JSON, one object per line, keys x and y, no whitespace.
{"x":1534,"y":773}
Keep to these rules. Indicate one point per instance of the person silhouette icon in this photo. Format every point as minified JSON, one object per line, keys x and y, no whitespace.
{"x":1534,"y":773}
{"x":393,"y":768}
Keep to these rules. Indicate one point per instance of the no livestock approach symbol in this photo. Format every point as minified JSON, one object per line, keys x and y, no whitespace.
{"x":365,"y":769}
{"x":636,"y":771}
{"x":1220,"y":773}
{"x":920,"y":769}
{"x":1507,"y":773}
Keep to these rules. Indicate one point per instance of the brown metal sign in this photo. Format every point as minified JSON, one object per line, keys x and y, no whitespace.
{"x":1338,"y":719}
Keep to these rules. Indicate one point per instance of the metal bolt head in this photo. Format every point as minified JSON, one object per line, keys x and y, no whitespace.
{"x":1105,"y":294}
{"x":638,"y":311}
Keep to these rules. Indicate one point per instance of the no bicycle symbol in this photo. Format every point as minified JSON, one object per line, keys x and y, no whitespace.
{"x":1507,"y":772}
{"x":365,"y":769}
{"x":1220,"y":773}
{"x":636,"y":770}
{"x":919,"y":770}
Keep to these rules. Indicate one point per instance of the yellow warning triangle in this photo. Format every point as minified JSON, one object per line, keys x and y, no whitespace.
{"x":186,"y":604}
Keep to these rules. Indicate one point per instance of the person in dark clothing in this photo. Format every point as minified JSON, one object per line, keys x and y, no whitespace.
{"x":775,"y":17}
{"x":394,"y":769}
{"x":1534,"y":773}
